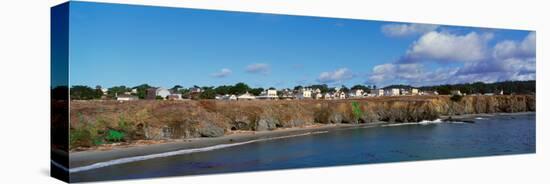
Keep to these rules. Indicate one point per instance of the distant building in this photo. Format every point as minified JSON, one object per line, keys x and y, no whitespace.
{"x":456,"y":92}
{"x":152,"y":93}
{"x":414,"y":91}
{"x":340,"y":95}
{"x":328,"y":96}
{"x":286,"y":94}
{"x":377,"y":92}
{"x":125,"y":97}
{"x":175,"y":96}
{"x":428,"y":93}
{"x":318,"y":96}
{"x":304,"y":93}
{"x":391,"y":92}
{"x":246,"y":96}
{"x":268,"y":94}
{"x":104,"y":90}
{"x":404,"y":92}
{"x":357,"y":93}
{"x":231,"y":97}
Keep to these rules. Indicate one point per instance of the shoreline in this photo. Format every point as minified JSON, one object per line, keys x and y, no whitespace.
{"x":83,"y":158}
{"x":89,"y":157}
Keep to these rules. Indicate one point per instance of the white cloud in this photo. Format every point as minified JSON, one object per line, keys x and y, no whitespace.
{"x":514,"y":49}
{"x":409,"y":73}
{"x":261,"y":68}
{"x":338,"y":75}
{"x":401,"y":30}
{"x":510,"y":60}
{"x":442,"y":46}
{"x":224,"y":72}
{"x":389,"y":72}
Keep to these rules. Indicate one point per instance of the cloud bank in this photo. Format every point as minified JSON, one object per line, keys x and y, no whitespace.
{"x":442,"y":57}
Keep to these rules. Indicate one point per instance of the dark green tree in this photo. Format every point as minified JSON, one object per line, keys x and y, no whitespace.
{"x":208,"y":93}
{"x":81,"y":92}
{"x":239,"y":88}
{"x":256,"y":91}
{"x":117,"y":90}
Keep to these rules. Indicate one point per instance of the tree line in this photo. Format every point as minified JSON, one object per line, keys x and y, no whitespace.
{"x":507,"y":87}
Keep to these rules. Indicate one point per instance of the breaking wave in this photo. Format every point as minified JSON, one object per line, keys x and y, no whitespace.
{"x":179,"y":152}
{"x":423,"y":122}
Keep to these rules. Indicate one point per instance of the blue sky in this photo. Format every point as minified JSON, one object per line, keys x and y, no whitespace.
{"x":112,"y":44}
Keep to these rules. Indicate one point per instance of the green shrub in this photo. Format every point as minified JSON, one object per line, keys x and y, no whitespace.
{"x":85,"y":136}
{"x":115,"y":136}
{"x":356,"y":110}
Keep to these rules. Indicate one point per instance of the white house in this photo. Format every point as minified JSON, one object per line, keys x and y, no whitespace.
{"x":104,"y":90}
{"x":164,"y":93}
{"x":246,"y":96}
{"x":391,"y":92}
{"x":377,"y":92}
{"x":125,"y":97}
{"x":318,"y":96}
{"x":286,"y":94}
{"x":328,"y":96}
{"x":414,"y":91}
{"x":340,"y":95}
{"x":456,"y":92}
{"x":304,"y":93}
{"x":356,"y":93}
{"x":268,"y":94}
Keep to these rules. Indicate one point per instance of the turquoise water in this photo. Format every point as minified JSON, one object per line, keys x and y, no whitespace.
{"x":499,"y":135}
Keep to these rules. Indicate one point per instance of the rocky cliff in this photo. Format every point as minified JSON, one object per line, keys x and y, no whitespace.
{"x":92,"y":121}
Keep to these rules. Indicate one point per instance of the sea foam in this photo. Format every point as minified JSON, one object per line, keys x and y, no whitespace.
{"x":423,"y":122}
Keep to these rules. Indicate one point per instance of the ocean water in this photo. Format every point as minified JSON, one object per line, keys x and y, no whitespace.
{"x":489,"y":136}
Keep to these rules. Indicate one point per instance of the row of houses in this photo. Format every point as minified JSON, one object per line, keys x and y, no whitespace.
{"x":338,"y":94}
{"x":272,"y":94}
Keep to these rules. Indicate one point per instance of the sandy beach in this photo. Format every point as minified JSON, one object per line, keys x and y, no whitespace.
{"x":83,"y":158}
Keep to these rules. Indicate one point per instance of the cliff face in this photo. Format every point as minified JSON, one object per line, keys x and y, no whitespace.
{"x":91,"y":120}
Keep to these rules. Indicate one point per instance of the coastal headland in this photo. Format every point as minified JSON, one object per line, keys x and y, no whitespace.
{"x":95,"y":124}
